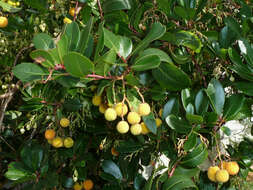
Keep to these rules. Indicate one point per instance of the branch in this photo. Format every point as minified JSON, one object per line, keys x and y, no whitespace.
{"x":100,"y":10}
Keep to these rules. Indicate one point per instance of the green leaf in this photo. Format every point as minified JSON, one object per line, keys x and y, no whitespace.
{"x":226,"y":130}
{"x":149,"y":120}
{"x":245,"y":87}
{"x":63,"y":46}
{"x":73,"y":33}
{"x":180,"y":59}
{"x":171,"y":107}
{"x":40,"y":5}
{"x":186,"y":97}
{"x":197,"y":119}
{"x":84,"y":39}
{"x":139,"y":181}
{"x":122,"y":45}
{"x":43,"y":41}
{"x":77,"y":65}
{"x":178,"y":182}
{"x":216,"y":95}
{"x":201,"y":102}
{"x":43,"y":56}
{"x":128,"y":146}
{"x":111,"y":168}
{"x":146,"y":62}
{"x":72,"y":105}
{"x":29,"y":72}
{"x":114,"y":5}
{"x":171,"y":77}
{"x":185,"y":13}
{"x":196,"y":157}
{"x":157,"y":31}
{"x":232,"y":106}
{"x":16,"y":172}
{"x":8,"y":8}
{"x":179,"y":125}
{"x":246,"y":50}
{"x":190,"y":142}
{"x":185,"y":171}
{"x":233,"y":25}
{"x":164,"y":57}
{"x":184,"y":38}
{"x":100,"y":43}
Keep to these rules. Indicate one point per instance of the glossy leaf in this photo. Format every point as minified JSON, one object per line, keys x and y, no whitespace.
{"x":63,"y":46}
{"x":171,"y":77}
{"x":43,"y":41}
{"x":179,"y":125}
{"x":42,"y":56}
{"x":245,"y":87}
{"x":233,"y":25}
{"x":77,"y":65}
{"x":216,"y":95}
{"x":149,"y":120}
{"x":146,"y":62}
{"x":179,"y":182}
{"x":114,"y":5}
{"x":246,"y":50}
{"x":111,"y":168}
{"x":171,"y":107}
{"x":201,"y":102}
{"x":157,"y":31}
{"x":73,"y":33}
{"x":186,"y":97}
{"x":190,"y":142}
{"x":29,"y":72}
{"x":232,"y":106}
{"x":100,"y":43}
{"x":16,"y":172}
{"x":192,"y":118}
{"x":164,"y":57}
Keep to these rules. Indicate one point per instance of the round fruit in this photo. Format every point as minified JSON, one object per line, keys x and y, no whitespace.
{"x":144,"y":129}
{"x":88,"y":184}
{"x":211,"y":172}
{"x":64,"y":122}
{"x":158,"y":122}
{"x":67,"y":20}
{"x":114,"y":152}
{"x":122,"y":127}
{"x":3,"y":22}
{"x":222,"y":176}
{"x":232,"y":168}
{"x":121,"y":109}
{"x":222,"y":165}
{"x":68,"y":142}
{"x":96,"y":100}
{"x":133,"y":118}
{"x":77,"y":186}
{"x":136,"y":129}
{"x":49,"y":134}
{"x":72,"y":11}
{"x":102,"y":108}
{"x":110,"y":114}
{"x":144,"y":109}
{"x":50,"y":141}
{"x":57,"y":142}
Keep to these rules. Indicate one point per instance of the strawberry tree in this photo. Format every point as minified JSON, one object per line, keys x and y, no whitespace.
{"x":125,"y":83}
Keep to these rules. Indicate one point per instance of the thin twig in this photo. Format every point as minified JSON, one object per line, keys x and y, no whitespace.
{"x":75,"y":13}
{"x":8,"y":144}
{"x":100,"y":10}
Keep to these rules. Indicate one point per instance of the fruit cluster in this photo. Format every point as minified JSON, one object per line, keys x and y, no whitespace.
{"x":133,"y":117}
{"x":221,"y":173}
{"x":57,"y":141}
{"x":87,"y":185}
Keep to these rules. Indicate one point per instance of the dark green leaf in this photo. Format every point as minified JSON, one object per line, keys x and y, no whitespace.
{"x":146,"y":62}
{"x":171,"y":107}
{"x":164,"y":57}
{"x":201,"y":102}
{"x":111,"y":168}
{"x":73,"y":33}
{"x":197,"y":119}
{"x":233,"y":25}
{"x":138,"y":182}
{"x":149,"y":120}
{"x":72,"y":105}
{"x":245,"y":87}
{"x":190,"y":142}
{"x":179,"y":125}
{"x":114,"y":5}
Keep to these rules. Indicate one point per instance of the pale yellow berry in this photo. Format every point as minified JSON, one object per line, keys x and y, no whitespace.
{"x":68,"y":142}
{"x":133,"y":118}
{"x":136,"y":129}
{"x":121,"y":109}
{"x":158,"y":122}
{"x":212,"y":172}
{"x":144,"y":129}
{"x":144,"y":109}
{"x":110,"y":114}
{"x":222,"y":176}
{"x":122,"y":127}
{"x":96,"y":100}
{"x":57,"y":142}
{"x":64,"y":122}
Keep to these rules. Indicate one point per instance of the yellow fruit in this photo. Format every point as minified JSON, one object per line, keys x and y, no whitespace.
{"x":102,"y":108}
{"x":96,"y":100}
{"x":57,"y":142}
{"x":122,"y":127}
{"x":49,"y":134}
{"x":144,"y":109}
{"x":18,"y":3}
{"x":222,"y":176}
{"x":114,"y":152}
{"x":50,"y":141}
{"x":212,"y":172}
{"x":3,"y":22}
{"x":232,"y":168}
{"x":67,"y":20}
{"x":121,"y":109}
{"x":160,"y":112}
{"x":110,"y":114}
{"x":72,"y":11}
{"x":222,"y":165}
{"x":158,"y":122}
{"x":133,"y":118}
{"x":68,"y":142}
{"x":88,"y":184}
{"x":64,"y":122}
{"x":136,"y":129}
{"x":144,"y":129}
{"x":77,"y":186}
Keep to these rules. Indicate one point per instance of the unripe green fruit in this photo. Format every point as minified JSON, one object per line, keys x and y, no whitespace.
{"x":144,"y":109}
{"x":110,"y":114}
{"x":133,"y":118}
{"x":122,"y":127}
{"x":136,"y":129}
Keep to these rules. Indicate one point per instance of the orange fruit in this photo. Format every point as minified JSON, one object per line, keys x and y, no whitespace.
{"x":3,"y":22}
{"x":49,"y":134}
{"x":114,"y":152}
{"x":72,"y":11}
{"x":232,"y":168}
{"x":88,"y":184}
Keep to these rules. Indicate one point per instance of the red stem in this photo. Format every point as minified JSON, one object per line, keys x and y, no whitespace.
{"x":75,"y":10}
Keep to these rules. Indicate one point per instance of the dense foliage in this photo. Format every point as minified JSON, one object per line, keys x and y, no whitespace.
{"x":67,"y":67}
